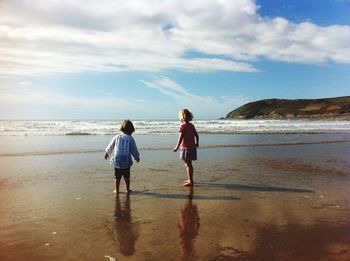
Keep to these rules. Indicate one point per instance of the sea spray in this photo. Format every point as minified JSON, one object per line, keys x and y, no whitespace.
{"x":157,"y":127}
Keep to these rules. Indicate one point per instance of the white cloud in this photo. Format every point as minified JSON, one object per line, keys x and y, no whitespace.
{"x":170,"y":88}
{"x":204,"y":106}
{"x":32,"y":97}
{"x":25,"y":83}
{"x":19,"y":103}
{"x":41,"y":37}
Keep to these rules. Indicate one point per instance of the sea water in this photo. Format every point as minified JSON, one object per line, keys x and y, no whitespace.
{"x":109,"y":127}
{"x":41,"y":137}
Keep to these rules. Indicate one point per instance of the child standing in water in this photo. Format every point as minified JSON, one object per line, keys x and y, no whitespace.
{"x":122,"y":146}
{"x":188,"y":142}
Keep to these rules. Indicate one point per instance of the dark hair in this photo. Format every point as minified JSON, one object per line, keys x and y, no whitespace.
{"x":127,"y":127}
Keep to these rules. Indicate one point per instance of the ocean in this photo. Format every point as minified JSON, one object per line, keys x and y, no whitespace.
{"x":28,"y":138}
{"x":109,"y":127}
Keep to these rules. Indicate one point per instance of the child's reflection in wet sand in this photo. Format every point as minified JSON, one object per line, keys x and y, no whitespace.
{"x":189,"y":226}
{"x":125,"y":230}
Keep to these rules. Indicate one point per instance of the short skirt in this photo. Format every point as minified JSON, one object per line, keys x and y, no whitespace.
{"x":188,"y":154}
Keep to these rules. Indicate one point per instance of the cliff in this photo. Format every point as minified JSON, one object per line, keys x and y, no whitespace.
{"x":331,"y":108}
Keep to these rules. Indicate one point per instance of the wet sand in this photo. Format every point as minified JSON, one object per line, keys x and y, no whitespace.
{"x":282,"y":202}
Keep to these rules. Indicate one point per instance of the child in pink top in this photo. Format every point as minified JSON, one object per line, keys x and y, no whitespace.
{"x":188,"y":142}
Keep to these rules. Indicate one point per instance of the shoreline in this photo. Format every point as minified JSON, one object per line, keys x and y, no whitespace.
{"x":47,"y":153}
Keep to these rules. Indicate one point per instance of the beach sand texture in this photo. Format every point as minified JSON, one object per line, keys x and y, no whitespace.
{"x":288,"y":201}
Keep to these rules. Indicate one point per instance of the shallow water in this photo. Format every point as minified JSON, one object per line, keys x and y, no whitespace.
{"x":286,"y":201}
{"x":50,"y":145}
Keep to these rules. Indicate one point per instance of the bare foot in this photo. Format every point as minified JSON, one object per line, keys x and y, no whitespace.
{"x":115,"y":192}
{"x":186,"y":181}
{"x":128,"y":191}
{"x":188,"y":184}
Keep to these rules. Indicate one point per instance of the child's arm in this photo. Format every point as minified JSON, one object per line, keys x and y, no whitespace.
{"x":181,"y":136}
{"x":109,"y":148}
{"x":134,"y":151}
{"x":197,"y":139}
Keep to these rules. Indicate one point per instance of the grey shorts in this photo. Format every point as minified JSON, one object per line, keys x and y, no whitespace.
{"x":188,"y":154}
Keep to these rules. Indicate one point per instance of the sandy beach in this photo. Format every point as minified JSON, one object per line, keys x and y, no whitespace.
{"x":256,"y":197}
{"x":265,"y":85}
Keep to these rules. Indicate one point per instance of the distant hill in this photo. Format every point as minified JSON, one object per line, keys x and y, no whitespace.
{"x":294,"y":109}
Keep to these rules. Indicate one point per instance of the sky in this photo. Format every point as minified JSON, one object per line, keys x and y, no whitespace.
{"x":137,"y":59}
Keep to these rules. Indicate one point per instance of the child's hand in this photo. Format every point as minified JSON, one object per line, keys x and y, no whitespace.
{"x":106,"y":156}
{"x":175,"y":149}
{"x":137,"y":160}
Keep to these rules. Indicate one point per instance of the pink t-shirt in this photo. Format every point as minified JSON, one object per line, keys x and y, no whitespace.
{"x":189,"y":132}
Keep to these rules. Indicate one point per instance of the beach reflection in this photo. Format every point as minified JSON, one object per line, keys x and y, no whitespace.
{"x":189,"y":226}
{"x":125,"y":231}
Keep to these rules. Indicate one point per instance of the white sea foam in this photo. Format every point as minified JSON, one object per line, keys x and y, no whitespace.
{"x":103,"y":127}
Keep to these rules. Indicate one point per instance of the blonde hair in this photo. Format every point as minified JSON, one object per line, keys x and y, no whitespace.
{"x":185,"y":115}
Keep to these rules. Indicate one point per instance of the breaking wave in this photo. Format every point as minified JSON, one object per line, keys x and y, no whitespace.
{"x":152,"y":127}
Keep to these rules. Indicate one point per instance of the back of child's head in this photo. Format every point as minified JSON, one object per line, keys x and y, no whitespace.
{"x":127,"y":127}
{"x":185,"y":115}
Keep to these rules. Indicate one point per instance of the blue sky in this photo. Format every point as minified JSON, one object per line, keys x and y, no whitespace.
{"x":147,"y":59}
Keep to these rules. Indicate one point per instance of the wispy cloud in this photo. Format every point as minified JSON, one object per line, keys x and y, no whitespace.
{"x":19,"y":102}
{"x":42,"y":37}
{"x":170,"y":88}
{"x":44,"y":98}
{"x":24,"y":83}
{"x":203,"y":105}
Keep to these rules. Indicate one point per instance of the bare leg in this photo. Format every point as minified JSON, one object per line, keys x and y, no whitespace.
{"x":116,"y":185}
{"x":127,"y":185}
{"x":189,"y":172}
